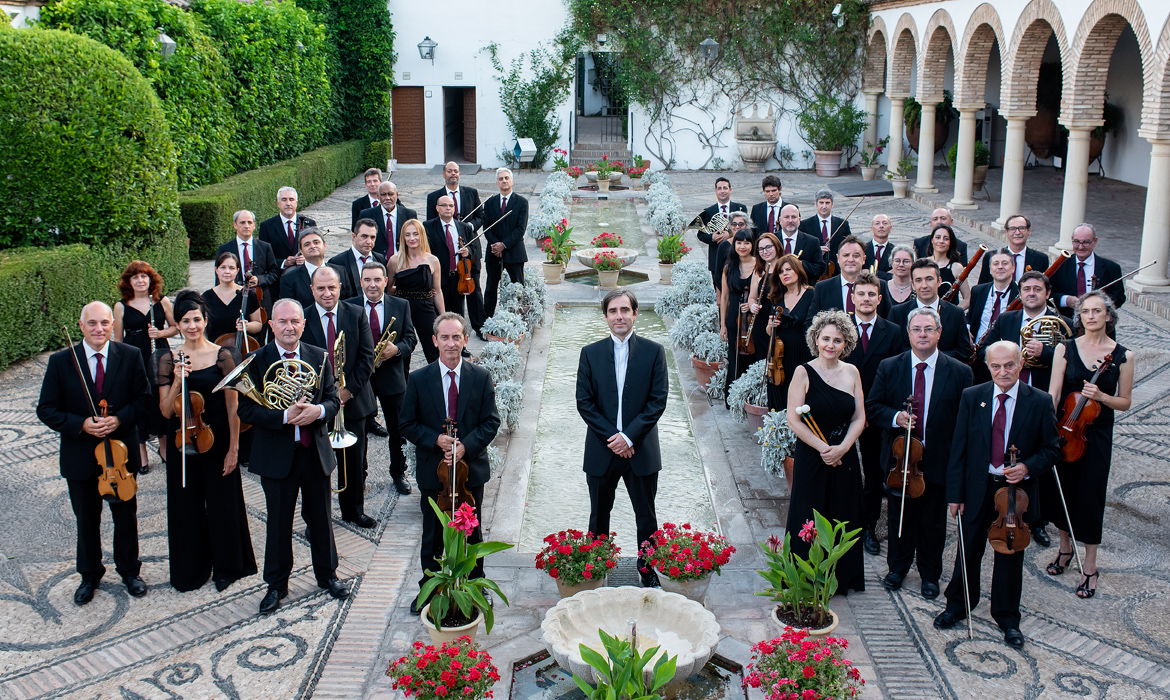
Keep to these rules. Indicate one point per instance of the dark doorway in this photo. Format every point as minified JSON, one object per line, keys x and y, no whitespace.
{"x":459,"y":124}
{"x":410,"y":142}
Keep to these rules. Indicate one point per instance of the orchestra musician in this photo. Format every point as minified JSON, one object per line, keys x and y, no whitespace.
{"x":803,"y":246}
{"x":934,"y":380}
{"x":991,"y":299}
{"x":723,"y":205}
{"x":415,"y":276}
{"x":759,"y":296}
{"x":390,"y":216}
{"x":923,"y":245}
{"x":900,"y":284}
{"x":464,"y":199}
{"x":372,"y":179}
{"x":1088,"y":272}
{"x":828,"y":229}
{"x":469,"y":399}
{"x":790,"y":293}
{"x":505,"y":240}
{"x":1037,"y":369}
{"x":1018,"y":229}
{"x":766,"y":214}
{"x":113,"y":372}
{"x":350,"y":263}
{"x":879,"y":248}
{"x":291,"y":455}
{"x":282,"y":231}
{"x":944,"y":252}
{"x":956,"y":339}
{"x":992,"y":418}
{"x":837,"y":292}
{"x":444,"y":234}
{"x":1085,"y":481}
{"x":259,"y":269}
{"x":296,"y":282}
{"x":738,"y":273}
{"x":224,"y":299}
{"x":207,"y":521}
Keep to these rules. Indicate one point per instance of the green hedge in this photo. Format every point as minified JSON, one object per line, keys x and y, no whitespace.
{"x":207,"y":211}
{"x":377,"y":153}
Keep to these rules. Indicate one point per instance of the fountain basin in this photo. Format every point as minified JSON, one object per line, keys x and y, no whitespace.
{"x":682,"y":627}
{"x":585,"y":255}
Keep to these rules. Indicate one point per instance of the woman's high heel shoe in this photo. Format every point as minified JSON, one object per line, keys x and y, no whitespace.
{"x":1056,"y":568}
{"x":1083,"y":590}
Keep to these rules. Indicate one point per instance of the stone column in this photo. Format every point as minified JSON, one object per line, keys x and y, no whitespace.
{"x":871,"y":118}
{"x":965,"y":159}
{"x":926,"y":148}
{"x":1014,"y":154}
{"x":1156,"y":227}
{"x":1076,"y":183}
{"x":894,"y":154}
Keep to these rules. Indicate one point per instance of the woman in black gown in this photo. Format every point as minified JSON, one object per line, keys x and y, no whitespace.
{"x":827,"y":477}
{"x":207,"y":524}
{"x":733,"y":300}
{"x":791,"y":296}
{"x":415,"y":275}
{"x":223,"y":301}
{"x":143,"y":318}
{"x":768,"y":252}
{"x":1086,"y":481}
{"x":945,"y":252}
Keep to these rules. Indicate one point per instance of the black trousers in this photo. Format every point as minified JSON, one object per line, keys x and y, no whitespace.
{"x":87,"y":508}
{"x":495,"y":269}
{"x":432,"y":533}
{"x":454,"y":301}
{"x":391,"y":403}
{"x":642,"y":490}
{"x":351,"y":472}
{"x":1007,"y":574}
{"x":924,"y":532}
{"x":306,"y":477}
{"x":874,"y":484}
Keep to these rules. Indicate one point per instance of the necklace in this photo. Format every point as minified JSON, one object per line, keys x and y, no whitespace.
{"x":899,"y":287}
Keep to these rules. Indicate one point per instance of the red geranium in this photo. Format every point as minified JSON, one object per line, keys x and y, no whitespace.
{"x":571,"y":556}
{"x":684,"y":554}
{"x":795,"y":666}
{"x":423,"y":674}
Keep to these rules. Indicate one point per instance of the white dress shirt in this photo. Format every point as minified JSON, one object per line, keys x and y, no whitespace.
{"x":91,"y":358}
{"x":989,"y":306}
{"x":1021,"y":261}
{"x":310,"y":268}
{"x":452,"y":233}
{"x":928,"y":373}
{"x":1010,"y":407}
{"x":454,"y":195}
{"x":827,"y":223}
{"x":1090,"y":269}
{"x":784,"y":243}
{"x":621,"y":358}
{"x":845,"y":292}
{"x":357,"y":257}
{"x":240,"y":243}
{"x":444,"y":369}
{"x":379,"y":309}
{"x":931,"y":305}
{"x":296,"y":428}
{"x":391,"y":230}
{"x":284,"y":229}
{"x":321,"y":311}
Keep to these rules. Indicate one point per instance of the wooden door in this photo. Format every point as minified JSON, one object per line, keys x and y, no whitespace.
{"x":469,"y":125}
{"x":409,"y":114}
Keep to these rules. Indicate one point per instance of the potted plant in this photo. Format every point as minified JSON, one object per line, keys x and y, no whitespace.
{"x":560,"y":159}
{"x":607,"y":239}
{"x":802,"y":587}
{"x":509,"y":400}
{"x":686,"y":558}
{"x":622,"y":672}
{"x":708,"y":355}
{"x":604,"y":171}
{"x":636,"y":171}
{"x":579,"y":561}
{"x":455,"y":669}
{"x":608,"y":266}
{"x":794,"y":666}
{"x":456,"y":603}
{"x":778,"y":443}
{"x":982,"y":161}
{"x":574,"y":171}
{"x":944,"y":114}
{"x":671,"y":249}
{"x":558,"y":248}
{"x":829,"y":123}
{"x":505,"y":326}
{"x":900,"y":176}
{"x":748,"y":397}
{"x":869,"y":156}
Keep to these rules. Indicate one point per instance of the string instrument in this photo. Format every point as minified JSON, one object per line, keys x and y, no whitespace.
{"x":250,"y":282}
{"x":466,"y":283}
{"x":831,"y":269}
{"x":775,"y":366}
{"x":240,"y":340}
{"x":1018,"y":303}
{"x":744,"y":344}
{"x":1079,"y":414}
{"x":194,"y":436}
{"x":453,"y":476}
{"x":907,"y":450}
{"x":953,"y":294}
{"x":1009,"y":533}
{"x":114,"y":483}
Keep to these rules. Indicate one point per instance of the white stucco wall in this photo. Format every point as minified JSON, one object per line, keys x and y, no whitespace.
{"x":20,"y":15}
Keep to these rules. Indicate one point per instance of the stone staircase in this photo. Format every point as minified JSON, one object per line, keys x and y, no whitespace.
{"x":586,"y":153}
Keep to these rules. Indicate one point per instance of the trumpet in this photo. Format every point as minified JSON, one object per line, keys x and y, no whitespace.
{"x":339,"y":437}
{"x":388,"y":337}
{"x":285,"y":382}
{"x":1049,"y":330}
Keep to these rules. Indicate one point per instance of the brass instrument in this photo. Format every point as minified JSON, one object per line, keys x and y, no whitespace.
{"x":285,"y":381}
{"x":339,"y":437}
{"x":388,"y":337}
{"x":1049,"y":330}
{"x":718,"y":223}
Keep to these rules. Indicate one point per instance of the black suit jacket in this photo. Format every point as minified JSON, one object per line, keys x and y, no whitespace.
{"x":351,"y":274}
{"x":1007,"y":327}
{"x":510,"y":232}
{"x":1064,"y":280}
{"x":272,"y":439}
{"x":382,"y":244}
{"x":808,"y":251}
{"x":643,"y":401}
{"x":273,"y":233}
{"x":922,"y":249}
{"x":894,"y":383}
{"x":955,"y":340}
{"x":440,"y":248}
{"x":295,"y":283}
{"x":812,"y":226}
{"x":424,"y":411}
{"x":1032,"y":258}
{"x":980,"y":294}
{"x":827,"y":295}
{"x":359,"y":354}
{"x":886,"y":339}
{"x":64,"y":407}
{"x":870,"y":256}
{"x":264,"y":264}
{"x":759,"y":217}
{"x":359,"y":205}
{"x":713,"y":247}
{"x":468,"y":201}
{"x":1033,"y":432}
{"x":388,"y":379}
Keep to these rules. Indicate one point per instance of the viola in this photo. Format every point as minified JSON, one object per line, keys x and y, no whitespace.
{"x":114,"y":483}
{"x":453,"y":476}
{"x":1009,"y":533}
{"x":1079,"y":414}
{"x":830,"y":271}
{"x":466,"y":281}
{"x":775,"y":368}
{"x":744,"y":343}
{"x":194,"y":436}
{"x":907,"y":450}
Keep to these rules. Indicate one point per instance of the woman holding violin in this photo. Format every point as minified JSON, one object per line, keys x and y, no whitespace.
{"x":768,"y":251}
{"x":1092,"y":377}
{"x":945,"y":252}
{"x":224,"y":300}
{"x":734,"y":310}
{"x":790,"y":297}
{"x":416,"y":277}
{"x":207,"y":525}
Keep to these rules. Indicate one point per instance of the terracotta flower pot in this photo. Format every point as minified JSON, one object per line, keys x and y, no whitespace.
{"x":664,"y":272}
{"x":552,"y":273}
{"x":755,"y":416}
{"x":449,"y":634}
{"x":693,"y":589}
{"x":602,"y":184}
{"x":608,"y":279}
{"x":868,"y":172}
{"x":820,"y":632}
{"x":704,"y":371}
{"x":901,"y":187}
{"x":501,"y":339}
{"x":978,"y":177}
{"x":788,"y":465}
{"x":828,"y":163}
{"x":567,"y":591}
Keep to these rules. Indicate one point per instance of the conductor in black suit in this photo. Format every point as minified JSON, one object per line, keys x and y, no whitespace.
{"x":291,"y":455}
{"x":255,"y":256}
{"x":282,"y":230}
{"x":828,"y":229}
{"x":443,"y":235}
{"x":879,"y":249}
{"x":933,"y":380}
{"x":325,"y":321}
{"x":766,"y":214}
{"x":296,"y":282}
{"x":956,"y":338}
{"x":837,"y":291}
{"x":369,"y":200}
{"x":350,"y":262}
{"x":1085,"y":272}
{"x":806,"y":248}
{"x":723,"y":205}
{"x":505,"y":241}
{"x":622,"y":387}
{"x":390,"y":216}
{"x":460,"y":391}
{"x":924,"y":247}
{"x":114,"y":372}
{"x":466,"y":199}
{"x":1019,"y":229}
{"x":992,"y":418}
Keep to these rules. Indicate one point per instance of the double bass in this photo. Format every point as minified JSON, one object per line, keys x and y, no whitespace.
{"x":452,"y":475}
{"x":907,"y":478}
{"x":1009,"y":533}
{"x":1079,"y":414}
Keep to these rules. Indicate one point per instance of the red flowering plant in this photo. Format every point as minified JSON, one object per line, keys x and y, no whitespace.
{"x":559,"y":245}
{"x":636,"y":172}
{"x":683,"y":553}
{"x":453,"y":670}
{"x":606,"y":260}
{"x":574,"y":171}
{"x":794,"y":666}
{"x":454,"y":596}
{"x":560,"y":159}
{"x":572,"y":556}
{"x":604,"y":167}
{"x":606,"y":239}
{"x":803,"y":587}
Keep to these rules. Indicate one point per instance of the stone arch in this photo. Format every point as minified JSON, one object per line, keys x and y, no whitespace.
{"x":1039,"y":20}
{"x":874,"y":77}
{"x":1157,"y":112}
{"x":981,"y":34}
{"x":1082,"y":103}
{"x":940,"y":37}
{"x":905,"y":53}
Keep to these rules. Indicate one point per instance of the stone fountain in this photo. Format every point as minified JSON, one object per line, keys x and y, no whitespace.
{"x":585,"y":255}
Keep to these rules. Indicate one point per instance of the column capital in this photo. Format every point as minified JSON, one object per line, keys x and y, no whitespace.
{"x":932,"y":100}
{"x":1085,"y":125}
{"x":1019,"y":114}
{"x":892,"y":96}
{"x":1156,"y":138}
{"x":970,"y":107}
{"x":873,"y":91}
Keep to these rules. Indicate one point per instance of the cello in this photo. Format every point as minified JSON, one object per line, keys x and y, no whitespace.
{"x":1079,"y":414}
{"x":452,"y":475}
{"x":907,"y":449}
{"x":240,"y":340}
{"x":1009,"y":534}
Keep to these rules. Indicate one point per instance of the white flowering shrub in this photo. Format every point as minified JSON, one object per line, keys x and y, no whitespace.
{"x":690,"y":283}
{"x":501,"y":360}
{"x":777,"y":441}
{"x":509,"y":402}
{"x":693,"y":320}
{"x":709,"y":347}
{"x":748,"y":388}
{"x":505,"y":324}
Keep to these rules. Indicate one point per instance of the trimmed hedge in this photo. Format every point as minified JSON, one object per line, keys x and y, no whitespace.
{"x":207,"y":211}
{"x":377,"y":153}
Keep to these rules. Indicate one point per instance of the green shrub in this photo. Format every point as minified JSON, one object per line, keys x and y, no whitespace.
{"x":377,"y":153}
{"x":982,"y":156}
{"x":207,"y":211}
{"x":85,"y":154}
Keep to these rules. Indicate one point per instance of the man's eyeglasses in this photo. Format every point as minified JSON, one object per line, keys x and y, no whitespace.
{"x":1014,"y":229}
{"x":1081,"y":244}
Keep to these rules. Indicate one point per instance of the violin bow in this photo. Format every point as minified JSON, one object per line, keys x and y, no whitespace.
{"x":80,"y":374}
{"x":1125,"y":276}
{"x":1068,"y":519}
{"x":482,"y":232}
{"x":906,"y":466}
{"x":966,"y":587}
{"x":859,"y":201}
{"x":183,"y":419}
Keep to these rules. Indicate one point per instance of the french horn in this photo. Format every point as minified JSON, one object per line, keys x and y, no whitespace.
{"x":285,"y":382}
{"x":1049,"y":330}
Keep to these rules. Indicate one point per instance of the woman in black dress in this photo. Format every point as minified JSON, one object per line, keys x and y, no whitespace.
{"x":223,"y":302}
{"x":945,"y":252}
{"x":791,"y":298}
{"x":898,"y":283}
{"x":416,"y":278}
{"x":143,"y":319}
{"x":768,"y":252}
{"x":1086,"y":481}
{"x":827,"y":477}
{"x":207,"y":524}
{"x":733,"y":300}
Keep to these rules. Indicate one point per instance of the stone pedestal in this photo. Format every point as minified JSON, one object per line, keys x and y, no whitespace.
{"x":1076,"y":184}
{"x":1015,"y":152}
{"x":965,"y":161}
{"x":871,"y":118}
{"x":894,"y":154}
{"x":926,"y":126}
{"x":1156,"y":227}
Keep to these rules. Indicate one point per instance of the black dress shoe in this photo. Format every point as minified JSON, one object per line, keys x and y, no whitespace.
{"x":135,"y":586}
{"x":84,"y":592}
{"x":416,"y":606}
{"x":376,"y":428}
{"x":892,"y":581}
{"x":401,"y":485}
{"x":1041,"y":536}
{"x":144,"y":469}
{"x":479,"y":334}
{"x":650,"y":580}
{"x":870,"y":543}
{"x":271,"y":601}
{"x":336,"y":588}
{"x":1014,"y":638}
{"x":362,"y":520}
{"x":929,"y":590}
{"x":946,"y":620}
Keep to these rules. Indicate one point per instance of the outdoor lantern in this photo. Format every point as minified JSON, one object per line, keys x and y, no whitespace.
{"x":524,"y":150}
{"x":709,"y":48}
{"x":426,"y":49}
{"x":166,"y":44}
{"x":300,"y":47}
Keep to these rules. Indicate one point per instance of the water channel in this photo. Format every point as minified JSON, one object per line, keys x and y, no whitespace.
{"x":591,"y":217}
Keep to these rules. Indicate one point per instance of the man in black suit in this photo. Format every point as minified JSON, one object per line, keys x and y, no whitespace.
{"x":923,"y":246}
{"x":990,"y":300}
{"x":1037,"y":368}
{"x":992,"y":419}
{"x":1019,"y":229}
{"x":113,"y":372}
{"x":723,"y":205}
{"x":877,"y":339}
{"x":444,"y":234}
{"x":351,"y":262}
{"x":387,"y":313}
{"x":255,"y":256}
{"x":828,"y":229}
{"x":805,"y":247}
{"x":390,"y":216}
{"x":879,"y":248}
{"x":837,"y":291}
{"x":369,"y":200}
{"x":296,"y":282}
{"x":933,"y":380}
{"x":1086,"y":272}
{"x":466,"y":199}
{"x":325,"y":321}
{"x":766,"y":214}
{"x":282,"y":230}
{"x":956,"y":338}
{"x":449,"y":389}
{"x":291,"y":455}
{"x":622,"y":387}
{"x":505,"y":239}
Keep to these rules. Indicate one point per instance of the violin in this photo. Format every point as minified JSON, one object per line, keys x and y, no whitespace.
{"x":744,"y":343}
{"x":114,"y":483}
{"x":775,"y":367}
{"x":1009,"y":533}
{"x":194,"y":436}
{"x":907,"y":450}
{"x":453,"y":476}
{"x":1079,"y":414}
{"x":466,"y":281}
